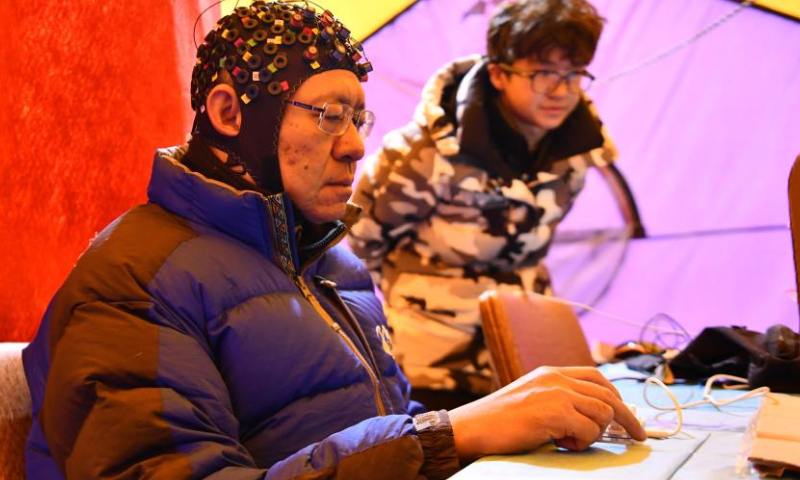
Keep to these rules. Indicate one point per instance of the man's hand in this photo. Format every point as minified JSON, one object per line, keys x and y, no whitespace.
{"x":570,"y":405}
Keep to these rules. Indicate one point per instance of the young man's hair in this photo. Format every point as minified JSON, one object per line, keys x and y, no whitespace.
{"x":525,"y":28}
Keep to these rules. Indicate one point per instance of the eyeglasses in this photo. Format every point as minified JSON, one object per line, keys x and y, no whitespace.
{"x":547,"y":81}
{"x":334,"y":118}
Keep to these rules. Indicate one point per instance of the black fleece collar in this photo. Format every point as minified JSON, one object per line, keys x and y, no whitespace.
{"x":489,"y":140}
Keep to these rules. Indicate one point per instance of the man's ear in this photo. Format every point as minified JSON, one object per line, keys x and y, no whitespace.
{"x":497,"y":76}
{"x":224,"y":110}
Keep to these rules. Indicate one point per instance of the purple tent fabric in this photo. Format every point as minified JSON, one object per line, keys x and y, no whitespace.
{"x":706,"y":137}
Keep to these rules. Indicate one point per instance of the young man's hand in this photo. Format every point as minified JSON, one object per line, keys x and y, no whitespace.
{"x":570,"y":405}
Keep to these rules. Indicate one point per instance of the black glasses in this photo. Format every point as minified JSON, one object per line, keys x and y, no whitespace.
{"x":334,"y":118}
{"x":547,"y":81}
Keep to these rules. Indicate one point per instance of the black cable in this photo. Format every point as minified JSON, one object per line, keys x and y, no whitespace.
{"x":577,"y":236}
{"x":664,"y":340}
{"x":626,"y":238}
{"x":196,"y":20}
{"x":638,"y":227}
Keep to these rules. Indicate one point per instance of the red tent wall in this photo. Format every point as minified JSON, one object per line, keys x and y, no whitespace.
{"x":90,"y":89}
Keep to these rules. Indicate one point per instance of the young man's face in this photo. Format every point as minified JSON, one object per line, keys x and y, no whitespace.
{"x":543,"y":110}
{"x":317,"y":168}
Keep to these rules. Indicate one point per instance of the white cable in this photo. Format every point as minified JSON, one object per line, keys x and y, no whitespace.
{"x":679,"y":46}
{"x":607,"y":315}
{"x":721,"y":403}
{"x":707,"y":397}
{"x":678,"y":407}
{"x":678,"y":410}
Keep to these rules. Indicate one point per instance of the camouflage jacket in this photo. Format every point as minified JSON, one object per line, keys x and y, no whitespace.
{"x":455,"y":204}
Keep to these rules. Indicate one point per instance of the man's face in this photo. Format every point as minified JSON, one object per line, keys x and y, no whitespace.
{"x":543,"y":110}
{"x":317,"y":168}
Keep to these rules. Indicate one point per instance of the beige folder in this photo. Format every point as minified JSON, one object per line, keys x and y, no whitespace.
{"x":524,"y":331}
{"x":774,"y":435}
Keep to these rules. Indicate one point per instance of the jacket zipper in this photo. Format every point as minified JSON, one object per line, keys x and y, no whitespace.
{"x":301,"y":284}
{"x":351,"y":320}
{"x":299,"y":281}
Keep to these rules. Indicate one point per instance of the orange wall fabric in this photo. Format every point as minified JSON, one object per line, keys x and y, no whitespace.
{"x":90,"y":89}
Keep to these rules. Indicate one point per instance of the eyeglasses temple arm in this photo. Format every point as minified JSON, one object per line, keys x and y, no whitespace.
{"x":307,"y":106}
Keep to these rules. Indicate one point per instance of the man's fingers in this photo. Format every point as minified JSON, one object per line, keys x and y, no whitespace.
{"x":576,"y":431}
{"x":628,"y":421}
{"x":598,"y":411}
{"x":620,"y":412}
{"x":590,"y":374}
{"x":588,"y":382}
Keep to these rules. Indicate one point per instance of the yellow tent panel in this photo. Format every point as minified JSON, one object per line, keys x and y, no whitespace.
{"x":362,"y":17}
{"x":789,"y":8}
{"x":365,"y":17}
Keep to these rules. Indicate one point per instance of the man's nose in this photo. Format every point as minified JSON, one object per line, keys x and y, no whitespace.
{"x":350,"y":146}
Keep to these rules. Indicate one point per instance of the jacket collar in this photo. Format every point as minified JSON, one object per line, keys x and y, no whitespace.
{"x":264,"y":222}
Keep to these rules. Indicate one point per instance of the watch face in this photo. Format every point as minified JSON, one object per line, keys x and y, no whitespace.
{"x":426,"y":420}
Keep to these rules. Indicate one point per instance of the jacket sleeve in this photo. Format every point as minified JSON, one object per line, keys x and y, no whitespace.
{"x":129,"y":398}
{"x":397,"y":195}
{"x":381,"y":447}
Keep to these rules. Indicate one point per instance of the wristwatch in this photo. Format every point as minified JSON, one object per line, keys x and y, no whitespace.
{"x":431,"y":420}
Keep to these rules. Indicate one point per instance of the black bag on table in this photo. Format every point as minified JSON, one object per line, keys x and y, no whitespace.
{"x":766,"y":360}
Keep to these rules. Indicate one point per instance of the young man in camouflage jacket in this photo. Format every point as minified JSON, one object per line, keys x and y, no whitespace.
{"x":467,"y":196}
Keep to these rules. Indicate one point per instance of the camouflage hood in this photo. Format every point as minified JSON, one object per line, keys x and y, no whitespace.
{"x":437,"y":110}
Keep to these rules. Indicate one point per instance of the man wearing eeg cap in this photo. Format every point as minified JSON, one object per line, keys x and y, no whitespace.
{"x":219,"y":332}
